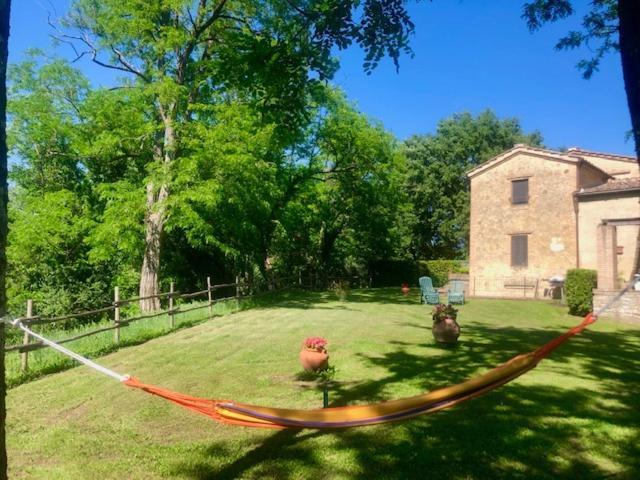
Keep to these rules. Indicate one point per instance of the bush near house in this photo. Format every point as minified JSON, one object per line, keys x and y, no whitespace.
{"x":579,"y":287}
{"x":439,"y":270}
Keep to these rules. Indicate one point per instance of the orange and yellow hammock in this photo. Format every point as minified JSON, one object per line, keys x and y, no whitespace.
{"x":233,"y":413}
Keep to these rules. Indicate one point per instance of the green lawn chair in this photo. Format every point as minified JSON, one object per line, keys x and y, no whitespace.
{"x":428,"y":294}
{"x":456,"y":292}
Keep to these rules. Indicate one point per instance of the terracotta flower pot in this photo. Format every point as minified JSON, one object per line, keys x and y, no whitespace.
{"x":446,"y":331}
{"x":405,"y":289}
{"x":313,"y":360}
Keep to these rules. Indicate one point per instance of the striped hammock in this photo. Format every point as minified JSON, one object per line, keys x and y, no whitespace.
{"x":233,"y":413}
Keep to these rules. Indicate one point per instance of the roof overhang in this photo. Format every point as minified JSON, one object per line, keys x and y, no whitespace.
{"x":613,"y":191}
{"x":621,"y":222}
{"x":530,"y":151}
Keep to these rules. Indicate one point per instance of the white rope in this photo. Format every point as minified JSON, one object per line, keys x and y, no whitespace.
{"x":69,"y":353}
{"x":121,"y":378}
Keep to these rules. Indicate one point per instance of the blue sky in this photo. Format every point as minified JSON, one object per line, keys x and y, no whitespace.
{"x":469,"y":55}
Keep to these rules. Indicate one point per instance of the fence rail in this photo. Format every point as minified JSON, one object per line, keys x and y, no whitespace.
{"x":173,"y":309}
{"x":118,"y":322}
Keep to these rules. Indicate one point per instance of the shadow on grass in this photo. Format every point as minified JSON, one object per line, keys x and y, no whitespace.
{"x":523,"y":430}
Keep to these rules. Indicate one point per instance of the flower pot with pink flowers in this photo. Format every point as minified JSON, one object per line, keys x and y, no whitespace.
{"x":314,"y":356}
{"x":445,"y":326}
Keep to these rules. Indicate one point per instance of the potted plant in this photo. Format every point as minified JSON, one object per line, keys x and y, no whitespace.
{"x":445,"y":328}
{"x":405,"y":289}
{"x":314,"y":356}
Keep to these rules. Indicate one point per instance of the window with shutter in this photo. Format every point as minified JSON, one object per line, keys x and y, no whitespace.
{"x":520,"y":191}
{"x":519,"y":250}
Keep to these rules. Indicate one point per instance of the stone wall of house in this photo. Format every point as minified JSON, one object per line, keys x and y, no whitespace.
{"x":549,"y":220}
{"x":590,"y":176}
{"x":591,"y":211}
{"x":626,"y":308}
{"x":461,"y":277}
{"x":618,"y":167}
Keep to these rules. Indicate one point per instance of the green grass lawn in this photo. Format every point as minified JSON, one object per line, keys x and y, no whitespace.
{"x":46,"y":360}
{"x":575,"y":416}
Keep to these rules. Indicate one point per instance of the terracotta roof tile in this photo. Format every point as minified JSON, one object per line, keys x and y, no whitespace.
{"x":616,"y":185}
{"x":581,"y":151}
{"x":521,"y":147}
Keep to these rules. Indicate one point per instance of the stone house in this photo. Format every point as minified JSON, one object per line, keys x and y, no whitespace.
{"x":535,"y":213}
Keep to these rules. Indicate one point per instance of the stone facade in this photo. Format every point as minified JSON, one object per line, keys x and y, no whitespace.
{"x":618,"y":166}
{"x":559,"y":219}
{"x":627,"y":308}
{"x":592,"y":210}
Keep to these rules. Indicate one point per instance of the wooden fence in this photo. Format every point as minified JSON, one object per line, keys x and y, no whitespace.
{"x":118,"y":322}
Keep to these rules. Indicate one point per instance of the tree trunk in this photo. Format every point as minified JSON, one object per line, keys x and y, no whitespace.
{"x":328,"y":239}
{"x":155,"y":218}
{"x":629,"y":13}
{"x":5,"y":8}
{"x":154,"y":225}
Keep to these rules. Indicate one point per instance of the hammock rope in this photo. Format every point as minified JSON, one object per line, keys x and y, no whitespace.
{"x":233,"y":413}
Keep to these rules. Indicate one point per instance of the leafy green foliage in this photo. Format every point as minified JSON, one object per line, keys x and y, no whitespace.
{"x":187,"y":63}
{"x":599,"y":28}
{"x":48,"y":256}
{"x":44,"y":111}
{"x":441,"y":312}
{"x":351,"y":204}
{"x":241,"y":200}
{"x":437,"y":182}
{"x":579,"y":286}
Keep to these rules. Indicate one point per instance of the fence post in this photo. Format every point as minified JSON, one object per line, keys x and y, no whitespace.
{"x":237,"y":292}
{"x":116,"y":314}
{"x":24,"y":356}
{"x":172,"y":319}
{"x":209,"y":294}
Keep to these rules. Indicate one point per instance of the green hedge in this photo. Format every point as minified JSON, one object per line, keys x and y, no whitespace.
{"x":392,"y":273}
{"x":579,"y":287}
{"x":439,"y":270}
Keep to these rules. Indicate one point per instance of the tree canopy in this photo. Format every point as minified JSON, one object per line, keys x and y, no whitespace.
{"x":185,"y":58}
{"x":244,"y":201}
{"x":438,"y":186}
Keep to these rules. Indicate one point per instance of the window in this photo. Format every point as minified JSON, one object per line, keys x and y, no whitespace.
{"x":519,"y":191}
{"x":519,"y":250}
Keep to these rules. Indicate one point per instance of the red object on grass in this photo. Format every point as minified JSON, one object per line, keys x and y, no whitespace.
{"x":405,"y":288}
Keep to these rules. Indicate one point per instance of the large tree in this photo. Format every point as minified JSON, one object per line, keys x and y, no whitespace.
{"x":182,"y":52}
{"x":608,"y":26}
{"x":438,"y":185}
{"x":5,"y":9}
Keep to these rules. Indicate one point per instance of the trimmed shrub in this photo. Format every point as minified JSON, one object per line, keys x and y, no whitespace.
{"x":579,"y":287}
{"x":439,"y":270}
